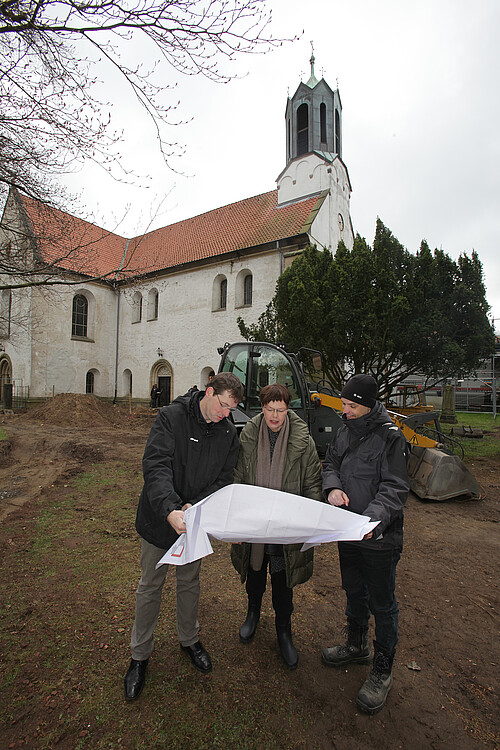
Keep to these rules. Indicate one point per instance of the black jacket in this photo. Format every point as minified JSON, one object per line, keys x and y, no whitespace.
{"x":367,"y":461}
{"x":185,"y":460}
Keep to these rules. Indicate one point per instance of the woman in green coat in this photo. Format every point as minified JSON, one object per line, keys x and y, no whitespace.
{"x":276,"y":451}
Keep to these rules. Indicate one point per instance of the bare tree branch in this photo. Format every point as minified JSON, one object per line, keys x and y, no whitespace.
{"x":50,"y":116}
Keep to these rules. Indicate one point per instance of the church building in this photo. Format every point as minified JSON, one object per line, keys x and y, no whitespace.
{"x":129,"y":313}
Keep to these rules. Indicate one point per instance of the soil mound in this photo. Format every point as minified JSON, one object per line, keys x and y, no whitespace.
{"x":78,"y":410}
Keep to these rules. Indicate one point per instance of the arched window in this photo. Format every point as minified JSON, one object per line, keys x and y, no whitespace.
{"x":247,"y":290}
{"x":219,"y":293}
{"x":5,"y":376}
{"x":80,"y":316}
{"x":322,"y":123}
{"x":5,"y":312}
{"x":89,"y":382}
{"x":137,"y":308}
{"x":153,"y":304}
{"x":243,"y":290}
{"x":337,"y":134}
{"x":223,"y":294}
{"x":126,"y":383}
{"x":302,"y":129}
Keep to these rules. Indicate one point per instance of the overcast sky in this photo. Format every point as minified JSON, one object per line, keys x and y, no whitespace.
{"x":419,"y":84}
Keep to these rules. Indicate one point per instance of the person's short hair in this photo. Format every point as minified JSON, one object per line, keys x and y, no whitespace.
{"x":274,"y":392}
{"x":227,"y":381}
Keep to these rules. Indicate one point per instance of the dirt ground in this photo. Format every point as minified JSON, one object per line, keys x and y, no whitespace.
{"x":446,"y":682}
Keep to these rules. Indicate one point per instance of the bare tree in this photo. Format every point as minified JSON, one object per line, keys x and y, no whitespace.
{"x":52,"y":119}
{"x":44,"y":251}
{"x":43,"y":246}
{"x":52,"y":50}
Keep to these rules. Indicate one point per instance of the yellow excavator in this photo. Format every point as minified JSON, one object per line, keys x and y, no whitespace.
{"x":436,"y":471}
{"x":409,"y":400}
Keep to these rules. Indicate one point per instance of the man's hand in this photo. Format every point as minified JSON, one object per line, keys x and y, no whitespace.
{"x":176,"y":521}
{"x":369,"y":535}
{"x":337,"y":498}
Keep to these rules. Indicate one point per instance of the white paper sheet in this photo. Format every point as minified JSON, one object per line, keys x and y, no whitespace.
{"x":243,"y":513}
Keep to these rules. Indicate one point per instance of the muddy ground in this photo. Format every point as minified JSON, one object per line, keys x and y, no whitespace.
{"x":446,"y":675}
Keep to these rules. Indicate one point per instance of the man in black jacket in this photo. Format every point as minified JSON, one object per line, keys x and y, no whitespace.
{"x":365,"y":472}
{"x":191,"y":452}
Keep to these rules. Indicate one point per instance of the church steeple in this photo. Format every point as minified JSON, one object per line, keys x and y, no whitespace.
{"x":313,"y":118}
{"x":314,"y":164}
{"x":312,"y":79}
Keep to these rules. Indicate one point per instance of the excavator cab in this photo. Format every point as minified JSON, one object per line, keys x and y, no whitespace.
{"x":258,"y":364}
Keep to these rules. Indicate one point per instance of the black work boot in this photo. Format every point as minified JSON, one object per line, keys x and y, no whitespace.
{"x":247,"y":630}
{"x":288,"y":651}
{"x":373,"y":694}
{"x":356,"y":648}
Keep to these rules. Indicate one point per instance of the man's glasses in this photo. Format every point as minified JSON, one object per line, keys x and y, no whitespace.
{"x":274,"y":411}
{"x":225,"y":406}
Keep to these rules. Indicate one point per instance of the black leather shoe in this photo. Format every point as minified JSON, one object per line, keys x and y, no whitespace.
{"x":198,"y":656}
{"x":134,"y":679}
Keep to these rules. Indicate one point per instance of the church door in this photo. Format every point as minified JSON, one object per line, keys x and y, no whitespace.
{"x":164,"y":384}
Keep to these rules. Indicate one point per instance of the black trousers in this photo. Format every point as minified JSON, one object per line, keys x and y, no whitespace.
{"x":369,"y":580}
{"x":282,"y":595}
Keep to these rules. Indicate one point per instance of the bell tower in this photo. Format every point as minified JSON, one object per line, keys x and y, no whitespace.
{"x":313,"y":119}
{"x":314,"y":164}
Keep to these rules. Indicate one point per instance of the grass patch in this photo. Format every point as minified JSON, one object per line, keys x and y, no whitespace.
{"x":3,"y":434}
{"x":489,"y":445}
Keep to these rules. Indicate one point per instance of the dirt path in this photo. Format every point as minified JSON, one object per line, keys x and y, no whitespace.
{"x":56,"y":440}
{"x":446,"y":673}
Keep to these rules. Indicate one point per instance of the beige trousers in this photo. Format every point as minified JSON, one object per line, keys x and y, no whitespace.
{"x":148,"y":601}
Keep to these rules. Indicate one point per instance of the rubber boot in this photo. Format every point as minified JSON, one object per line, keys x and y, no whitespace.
{"x":247,"y":630}
{"x":355,"y":650}
{"x":373,"y":694}
{"x":288,"y":651}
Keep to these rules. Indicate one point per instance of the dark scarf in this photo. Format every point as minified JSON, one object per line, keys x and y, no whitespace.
{"x":269,"y":472}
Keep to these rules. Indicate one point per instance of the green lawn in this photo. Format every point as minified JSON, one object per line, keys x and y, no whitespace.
{"x":488,"y":445}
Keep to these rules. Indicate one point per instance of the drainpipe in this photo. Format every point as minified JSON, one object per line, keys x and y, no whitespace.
{"x":117,"y":291}
{"x":116,"y":342}
{"x":281,"y":256}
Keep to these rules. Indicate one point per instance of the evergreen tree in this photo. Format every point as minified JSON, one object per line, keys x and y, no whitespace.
{"x":382,"y":310}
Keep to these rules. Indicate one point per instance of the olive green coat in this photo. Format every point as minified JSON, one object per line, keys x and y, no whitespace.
{"x":301,"y":476}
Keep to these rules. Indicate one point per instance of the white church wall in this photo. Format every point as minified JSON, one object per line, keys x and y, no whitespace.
{"x":17,"y":344}
{"x":302,"y":177}
{"x":59,"y":361}
{"x":188,"y":330}
{"x":332,"y":222}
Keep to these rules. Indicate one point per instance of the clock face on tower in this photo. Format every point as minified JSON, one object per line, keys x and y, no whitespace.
{"x":341,"y":222}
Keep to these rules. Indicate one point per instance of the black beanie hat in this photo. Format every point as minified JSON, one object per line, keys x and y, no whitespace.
{"x":362,"y":389}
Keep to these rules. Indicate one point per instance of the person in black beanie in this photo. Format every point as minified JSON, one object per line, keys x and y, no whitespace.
{"x":364,"y":472}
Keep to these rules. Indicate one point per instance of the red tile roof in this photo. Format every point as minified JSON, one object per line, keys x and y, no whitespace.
{"x":73,"y":244}
{"x":238,"y":226}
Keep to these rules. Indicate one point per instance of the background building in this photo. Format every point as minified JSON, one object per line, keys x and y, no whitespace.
{"x":127,"y":313}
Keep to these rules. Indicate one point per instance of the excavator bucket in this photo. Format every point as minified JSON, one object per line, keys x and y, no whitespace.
{"x":435,"y":475}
